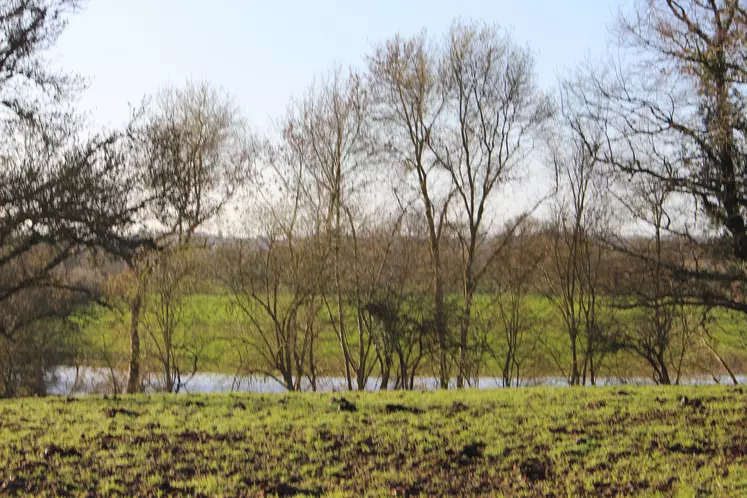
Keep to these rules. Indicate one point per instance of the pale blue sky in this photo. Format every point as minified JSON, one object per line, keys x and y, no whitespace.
{"x":263,"y":52}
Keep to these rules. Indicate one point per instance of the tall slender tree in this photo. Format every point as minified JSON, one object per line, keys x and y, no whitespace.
{"x":494,"y":113}
{"x":410,"y":97}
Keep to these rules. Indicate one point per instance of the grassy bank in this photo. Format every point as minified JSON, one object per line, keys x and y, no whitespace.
{"x":527,"y":442}
{"x":208,"y":324}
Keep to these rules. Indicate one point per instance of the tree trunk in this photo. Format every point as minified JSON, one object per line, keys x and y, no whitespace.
{"x":288,"y":380}
{"x":133,"y":382}
{"x":360,"y":375}
{"x":341,"y":331}
{"x":507,"y":369}
{"x":440,"y":323}
{"x":403,"y":375}
{"x":312,"y":364}
{"x":170,"y":380}
{"x":723,"y":363}
{"x":665,"y":380}
{"x":574,"y":362}
{"x":386,"y":369}
{"x":462,"y":356}
{"x":463,"y":376}
{"x":340,"y":307}
{"x":167,"y":364}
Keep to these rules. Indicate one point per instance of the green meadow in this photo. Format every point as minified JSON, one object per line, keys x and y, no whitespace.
{"x":646,"y":441}
{"x":209,"y":323}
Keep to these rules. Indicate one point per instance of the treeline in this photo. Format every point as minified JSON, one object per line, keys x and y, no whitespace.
{"x":378,"y":211}
{"x":280,"y":297}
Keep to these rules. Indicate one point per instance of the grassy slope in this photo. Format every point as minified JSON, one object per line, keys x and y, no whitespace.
{"x":537,"y":442}
{"x":208,"y":318}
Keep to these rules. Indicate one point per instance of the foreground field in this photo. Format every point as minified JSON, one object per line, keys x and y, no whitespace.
{"x":529,"y":442}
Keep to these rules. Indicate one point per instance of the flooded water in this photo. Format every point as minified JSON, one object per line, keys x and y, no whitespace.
{"x":68,"y":380}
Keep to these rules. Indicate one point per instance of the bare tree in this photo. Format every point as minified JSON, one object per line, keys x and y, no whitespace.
{"x":663,"y":330}
{"x":493,"y":113}
{"x":512,"y":281}
{"x":574,"y":270}
{"x":177,"y":346}
{"x":328,"y":133}
{"x":38,"y":336}
{"x":58,"y":192}
{"x":62,"y":195}
{"x":410,"y":97}
{"x":274,"y":283}
{"x":397,"y":306}
{"x":674,"y":112}
{"x":275,"y":308}
{"x":193,"y":153}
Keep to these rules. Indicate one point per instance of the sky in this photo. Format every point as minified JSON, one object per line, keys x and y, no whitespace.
{"x":264,"y":52}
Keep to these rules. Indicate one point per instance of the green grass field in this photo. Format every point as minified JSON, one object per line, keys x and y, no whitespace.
{"x":208,"y":319}
{"x":649,"y":441}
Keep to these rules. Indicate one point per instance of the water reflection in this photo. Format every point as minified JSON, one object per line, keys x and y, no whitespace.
{"x":68,"y":380}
